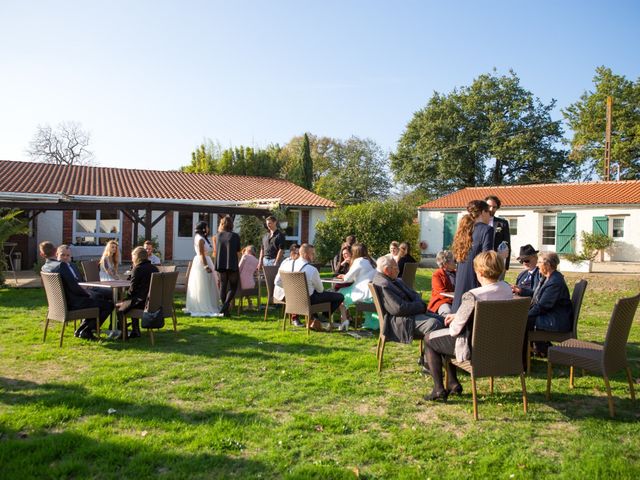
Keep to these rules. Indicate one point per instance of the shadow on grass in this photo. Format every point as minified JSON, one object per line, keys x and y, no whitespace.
{"x":52,"y":395}
{"x":214,"y":341}
{"x":72,"y":455}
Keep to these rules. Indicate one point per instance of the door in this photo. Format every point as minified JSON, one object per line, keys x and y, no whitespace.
{"x":566,"y":233}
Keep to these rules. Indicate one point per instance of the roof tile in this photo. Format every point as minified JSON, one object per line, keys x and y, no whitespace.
{"x":550,"y":194}
{"x":46,"y":178}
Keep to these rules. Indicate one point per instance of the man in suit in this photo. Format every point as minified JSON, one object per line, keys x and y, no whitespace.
{"x":406,"y":315}
{"x":500,"y":228}
{"x":63,"y":254}
{"x":529,"y":278}
{"x":77,"y":297}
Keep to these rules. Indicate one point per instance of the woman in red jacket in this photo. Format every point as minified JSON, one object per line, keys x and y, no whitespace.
{"x":443,"y":281}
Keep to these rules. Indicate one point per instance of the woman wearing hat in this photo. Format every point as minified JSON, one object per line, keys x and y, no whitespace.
{"x":529,"y":278}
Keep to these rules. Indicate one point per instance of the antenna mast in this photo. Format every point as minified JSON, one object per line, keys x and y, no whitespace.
{"x":607,"y":141}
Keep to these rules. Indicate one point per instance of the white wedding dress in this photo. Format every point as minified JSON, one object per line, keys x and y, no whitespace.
{"x":203,"y":297}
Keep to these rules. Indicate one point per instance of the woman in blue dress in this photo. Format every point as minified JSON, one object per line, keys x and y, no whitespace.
{"x":473,"y":236}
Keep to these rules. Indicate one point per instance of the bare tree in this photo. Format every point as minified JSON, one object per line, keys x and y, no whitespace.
{"x":65,"y":145}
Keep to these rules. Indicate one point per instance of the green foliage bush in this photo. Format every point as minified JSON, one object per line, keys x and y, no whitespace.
{"x":375,"y":224}
{"x":592,"y":243}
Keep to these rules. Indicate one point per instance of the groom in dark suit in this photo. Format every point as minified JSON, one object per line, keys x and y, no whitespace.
{"x":500,"y":227}
{"x":77,"y":297}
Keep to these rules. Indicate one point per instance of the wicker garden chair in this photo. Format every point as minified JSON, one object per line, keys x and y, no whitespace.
{"x":297,"y":301}
{"x":161,"y":292}
{"x":499,"y":328}
{"x":58,"y":310}
{"x":182,"y":287}
{"x":166,"y":268}
{"x":270,"y":272}
{"x":249,"y":292}
{"x":382,"y":339}
{"x":409,"y":274}
{"x":91,"y":270}
{"x":604,"y":359}
{"x":542,"y":336}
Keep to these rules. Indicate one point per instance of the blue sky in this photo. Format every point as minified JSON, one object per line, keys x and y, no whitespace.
{"x":151,"y":79}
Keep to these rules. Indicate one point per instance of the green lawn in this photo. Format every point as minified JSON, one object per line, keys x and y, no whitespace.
{"x":239,"y":398}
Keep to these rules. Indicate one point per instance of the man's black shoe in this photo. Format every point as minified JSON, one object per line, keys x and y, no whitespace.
{"x":88,"y":335}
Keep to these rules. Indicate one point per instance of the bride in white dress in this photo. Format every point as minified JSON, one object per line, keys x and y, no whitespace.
{"x":202,"y":292}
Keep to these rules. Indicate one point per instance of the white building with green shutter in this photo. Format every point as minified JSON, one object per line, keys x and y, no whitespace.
{"x":548,"y":216}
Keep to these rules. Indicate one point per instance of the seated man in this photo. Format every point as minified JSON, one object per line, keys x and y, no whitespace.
{"x":288,"y":266}
{"x":148,"y":246}
{"x":77,"y":297}
{"x":529,"y":278}
{"x":316,"y":289}
{"x":63,"y":254}
{"x":406,"y":315}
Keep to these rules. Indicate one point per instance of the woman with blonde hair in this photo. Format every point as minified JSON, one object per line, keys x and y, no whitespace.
{"x":455,"y":339}
{"x":473,"y":237}
{"x":109,"y":261}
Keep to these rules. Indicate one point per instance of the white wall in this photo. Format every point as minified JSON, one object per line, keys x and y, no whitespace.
{"x":432,"y":230}
{"x":315,"y":216}
{"x":50,"y":227}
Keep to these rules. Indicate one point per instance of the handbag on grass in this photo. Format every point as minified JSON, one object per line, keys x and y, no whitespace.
{"x":153,"y":319}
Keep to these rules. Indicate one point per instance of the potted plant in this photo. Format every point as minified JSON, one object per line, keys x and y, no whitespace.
{"x":592,"y":244}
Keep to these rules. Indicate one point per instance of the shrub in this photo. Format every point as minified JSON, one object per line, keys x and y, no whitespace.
{"x":375,"y":224}
{"x":592,"y":243}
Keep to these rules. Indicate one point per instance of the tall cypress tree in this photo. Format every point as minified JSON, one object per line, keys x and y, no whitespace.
{"x":307,"y":164}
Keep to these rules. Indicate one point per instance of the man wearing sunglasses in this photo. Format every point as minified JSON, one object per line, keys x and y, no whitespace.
{"x":529,"y":278}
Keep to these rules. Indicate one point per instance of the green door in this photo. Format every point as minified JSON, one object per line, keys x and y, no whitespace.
{"x":450,"y":226}
{"x":566,"y":233}
{"x":601,"y":225}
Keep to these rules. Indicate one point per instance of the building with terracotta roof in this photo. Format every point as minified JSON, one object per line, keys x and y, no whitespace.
{"x":550,"y":217}
{"x":86,"y":206}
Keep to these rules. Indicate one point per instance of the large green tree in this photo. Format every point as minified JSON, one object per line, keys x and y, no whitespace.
{"x":209,"y":157}
{"x":587,"y":119}
{"x":492,"y":132}
{"x":356,"y":172}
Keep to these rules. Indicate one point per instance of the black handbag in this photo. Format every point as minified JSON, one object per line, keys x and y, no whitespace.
{"x":153,"y":319}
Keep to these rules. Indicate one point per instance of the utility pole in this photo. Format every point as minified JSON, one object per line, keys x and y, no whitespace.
{"x":607,"y":141}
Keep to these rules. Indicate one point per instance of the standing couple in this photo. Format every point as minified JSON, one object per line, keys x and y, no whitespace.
{"x":203,"y":296}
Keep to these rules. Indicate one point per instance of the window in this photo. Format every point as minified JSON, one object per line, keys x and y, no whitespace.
{"x":292,"y":232}
{"x":513,"y":226}
{"x":617,"y":226}
{"x":549,"y":230}
{"x":185,"y":224}
{"x":92,"y":228}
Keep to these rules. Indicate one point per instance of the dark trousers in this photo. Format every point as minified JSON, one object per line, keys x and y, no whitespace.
{"x":435,"y":348}
{"x":96,"y":299}
{"x":229,"y":281}
{"x":334,"y":298}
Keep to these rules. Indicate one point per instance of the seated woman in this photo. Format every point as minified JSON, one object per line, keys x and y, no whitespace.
{"x":109,"y":261}
{"x":551,"y":308}
{"x":455,"y":339}
{"x":360,"y":273}
{"x":136,"y":296}
{"x":247,"y":268}
{"x":404,"y":256}
{"x":443,"y":281}
{"x":345,"y":260}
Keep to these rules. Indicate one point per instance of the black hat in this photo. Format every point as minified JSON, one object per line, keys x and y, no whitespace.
{"x":526,"y":251}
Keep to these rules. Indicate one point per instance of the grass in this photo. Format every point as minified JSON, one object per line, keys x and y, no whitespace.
{"x":239,"y":398}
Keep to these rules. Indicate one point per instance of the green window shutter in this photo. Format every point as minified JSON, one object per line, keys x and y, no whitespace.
{"x":601,"y":225}
{"x":566,"y":233}
{"x":450,"y":226}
